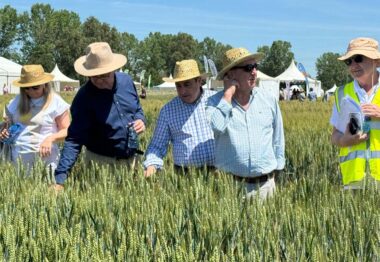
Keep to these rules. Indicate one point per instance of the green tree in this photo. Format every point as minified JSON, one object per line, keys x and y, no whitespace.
{"x":213,"y":50}
{"x":8,"y":30}
{"x":129,"y":44}
{"x":277,"y":58}
{"x":152,"y":58}
{"x":51,"y":37}
{"x":95,"y":31}
{"x":331,"y":71}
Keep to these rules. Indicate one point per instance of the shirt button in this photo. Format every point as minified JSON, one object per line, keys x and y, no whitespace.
{"x":121,"y":115}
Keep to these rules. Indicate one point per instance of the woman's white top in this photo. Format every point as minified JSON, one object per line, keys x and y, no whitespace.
{"x":38,"y":125}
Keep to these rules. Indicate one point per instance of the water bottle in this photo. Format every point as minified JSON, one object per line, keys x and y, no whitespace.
{"x":366,"y":124}
{"x":133,"y":139}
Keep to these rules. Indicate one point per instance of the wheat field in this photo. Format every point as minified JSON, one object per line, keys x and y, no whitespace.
{"x":107,"y":214}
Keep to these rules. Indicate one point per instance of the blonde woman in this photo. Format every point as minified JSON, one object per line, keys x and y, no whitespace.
{"x":42,"y":117}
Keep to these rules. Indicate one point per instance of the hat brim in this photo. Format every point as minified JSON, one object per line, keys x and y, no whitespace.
{"x":180,"y":79}
{"x":118,"y":61}
{"x":257,"y":57}
{"x":47,"y":78}
{"x":370,"y":54}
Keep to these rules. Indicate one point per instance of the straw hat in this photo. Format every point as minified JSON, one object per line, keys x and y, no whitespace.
{"x":99,"y":60}
{"x":362,"y":46}
{"x":185,"y":70}
{"x":236,"y":56}
{"x":32,"y":75}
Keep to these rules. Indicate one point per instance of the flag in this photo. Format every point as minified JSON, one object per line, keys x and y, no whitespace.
{"x":149,"y":79}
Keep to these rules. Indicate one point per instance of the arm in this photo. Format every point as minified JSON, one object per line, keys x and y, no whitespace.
{"x":76,"y":136}
{"x":344,"y":140}
{"x":219,"y":112}
{"x":279,"y":139}
{"x":158,"y":146}
{"x":63,"y":122}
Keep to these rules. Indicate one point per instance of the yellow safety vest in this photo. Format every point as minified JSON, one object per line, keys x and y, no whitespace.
{"x":353,"y":159}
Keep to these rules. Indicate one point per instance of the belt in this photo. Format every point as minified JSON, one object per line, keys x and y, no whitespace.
{"x":186,"y":169}
{"x":257,"y":179}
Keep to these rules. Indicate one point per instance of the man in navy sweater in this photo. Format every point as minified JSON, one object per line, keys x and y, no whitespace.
{"x":106,"y":113}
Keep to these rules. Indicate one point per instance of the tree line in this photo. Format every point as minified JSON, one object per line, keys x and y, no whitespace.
{"x":48,"y":37}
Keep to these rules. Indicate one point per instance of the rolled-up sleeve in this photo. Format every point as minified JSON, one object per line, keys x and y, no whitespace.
{"x":218,"y":112}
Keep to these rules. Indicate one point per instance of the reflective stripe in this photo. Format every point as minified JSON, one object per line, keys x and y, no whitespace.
{"x":352,"y":155}
{"x":359,"y":154}
{"x":339,"y":96}
{"x":374,"y":125}
{"x":375,"y":154}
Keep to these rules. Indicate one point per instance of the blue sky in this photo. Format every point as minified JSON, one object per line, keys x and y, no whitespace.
{"x":312,"y":27}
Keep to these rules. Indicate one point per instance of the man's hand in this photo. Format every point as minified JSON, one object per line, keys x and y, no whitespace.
{"x":150,"y":170}
{"x":347,"y":139}
{"x":371,"y":110}
{"x":139,"y":126}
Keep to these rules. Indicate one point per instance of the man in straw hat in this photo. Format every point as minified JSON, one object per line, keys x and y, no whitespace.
{"x":247,"y":125}
{"x":105,"y":113}
{"x":183,"y":122}
{"x":360,"y":146}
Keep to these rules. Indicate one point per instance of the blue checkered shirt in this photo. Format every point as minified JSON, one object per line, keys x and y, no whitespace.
{"x":185,"y":126}
{"x":248,"y":143}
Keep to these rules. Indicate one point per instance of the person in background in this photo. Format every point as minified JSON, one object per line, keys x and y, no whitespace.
{"x":247,"y":125}
{"x":5,"y":89}
{"x":312,"y":96}
{"x":106,"y":114}
{"x":38,"y":119}
{"x":143,"y":92}
{"x":183,"y":122}
{"x":359,"y":156}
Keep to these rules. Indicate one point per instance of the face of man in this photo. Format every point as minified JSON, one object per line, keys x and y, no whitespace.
{"x":104,"y":81}
{"x":189,"y":90}
{"x":245,"y":74}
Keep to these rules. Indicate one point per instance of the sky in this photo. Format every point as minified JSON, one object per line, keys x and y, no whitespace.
{"x":312,"y":27}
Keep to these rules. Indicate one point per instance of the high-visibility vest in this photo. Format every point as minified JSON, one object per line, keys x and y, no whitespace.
{"x":354,"y":159}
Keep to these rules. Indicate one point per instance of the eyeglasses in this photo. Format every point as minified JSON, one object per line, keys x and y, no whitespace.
{"x":32,"y":87}
{"x":358,"y":59}
{"x":247,"y":68}
{"x":103,"y":76}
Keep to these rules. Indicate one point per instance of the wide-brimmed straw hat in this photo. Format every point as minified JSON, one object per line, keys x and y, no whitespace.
{"x":362,"y":46}
{"x":99,"y":60}
{"x":185,"y":70}
{"x":235,"y":56}
{"x":32,"y":75}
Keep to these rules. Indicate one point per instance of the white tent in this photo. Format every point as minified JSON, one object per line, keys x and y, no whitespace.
{"x":166,"y":85}
{"x":332,"y":90}
{"x":9,"y":71}
{"x":292,"y":74}
{"x":60,"y":80}
{"x":269,"y":83}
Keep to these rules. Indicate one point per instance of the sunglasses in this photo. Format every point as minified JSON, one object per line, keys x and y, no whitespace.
{"x":247,"y":68}
{"x":32,"y":87}
{"x":358,"y":59}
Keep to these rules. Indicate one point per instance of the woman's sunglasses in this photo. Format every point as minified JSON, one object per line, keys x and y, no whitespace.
{"x":358,"y":59}
{"x":32,"y":87}
{"x":247,"y":68}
